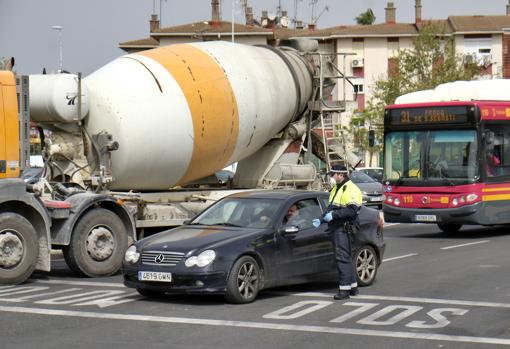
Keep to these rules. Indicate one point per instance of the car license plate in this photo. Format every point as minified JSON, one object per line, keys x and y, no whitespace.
{"x":426,"y":218}
{"x":154,"y":276}
{"x":376,"y":198}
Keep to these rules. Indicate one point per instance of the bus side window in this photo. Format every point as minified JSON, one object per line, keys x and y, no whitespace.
{"x":498,"y":153}
{"x":493,"y":163}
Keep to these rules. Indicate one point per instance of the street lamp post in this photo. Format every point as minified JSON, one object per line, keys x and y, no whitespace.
{"x":59,"y":29}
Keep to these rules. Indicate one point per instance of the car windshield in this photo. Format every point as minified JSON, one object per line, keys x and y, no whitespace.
{"x":240,"y":212}
{"x":375,"y":173}
{"x":360,"y":177}
{"x":444,"y":156}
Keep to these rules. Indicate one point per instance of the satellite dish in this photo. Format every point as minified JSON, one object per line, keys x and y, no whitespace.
{"x":284,"y":22}
{"x":264,"y":22}
{"x":271,"y":16}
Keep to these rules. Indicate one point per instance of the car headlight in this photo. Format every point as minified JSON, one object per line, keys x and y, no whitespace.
{"x":203,"y":259}
{"x":131,"y":255}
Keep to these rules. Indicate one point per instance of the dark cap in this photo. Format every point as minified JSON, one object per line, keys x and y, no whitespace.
{"x":338,"y":169}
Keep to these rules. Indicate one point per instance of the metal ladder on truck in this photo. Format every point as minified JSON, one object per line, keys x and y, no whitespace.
{"x":333,"y":140}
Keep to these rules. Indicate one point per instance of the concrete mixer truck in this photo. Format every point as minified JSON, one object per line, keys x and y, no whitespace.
{"x":125,"y":148}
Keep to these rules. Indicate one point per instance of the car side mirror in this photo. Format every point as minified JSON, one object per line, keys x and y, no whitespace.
{"x":289,"y":230}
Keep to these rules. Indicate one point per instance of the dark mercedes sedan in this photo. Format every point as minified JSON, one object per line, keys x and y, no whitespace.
{"x":246,"y":242}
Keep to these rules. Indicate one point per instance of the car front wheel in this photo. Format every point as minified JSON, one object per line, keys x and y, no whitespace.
{"x":243,"y":281}
{"x":366,"y":264}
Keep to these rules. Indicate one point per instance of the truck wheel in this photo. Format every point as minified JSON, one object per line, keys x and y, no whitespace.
{"x":18,"y":248}
{"x":98,"y":243}
{"x":244,"y":281}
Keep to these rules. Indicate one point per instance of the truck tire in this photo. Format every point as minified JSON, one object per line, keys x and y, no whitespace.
{"x":18,"y":248}
{"x":98,"y":243}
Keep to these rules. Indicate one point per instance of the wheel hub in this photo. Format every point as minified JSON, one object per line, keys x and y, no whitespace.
{"x":11,"y":250}
{"x":100,"y":243}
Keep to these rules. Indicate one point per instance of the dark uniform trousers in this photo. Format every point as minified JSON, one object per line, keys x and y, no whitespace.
{"x":344,"y":264}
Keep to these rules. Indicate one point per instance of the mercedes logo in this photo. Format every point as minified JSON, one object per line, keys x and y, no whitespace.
{"x":159,"y":258}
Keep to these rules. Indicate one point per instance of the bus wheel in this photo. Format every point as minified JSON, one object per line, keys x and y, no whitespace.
{"x":18,"y":248}
{"x":449,"y":227}
{"x":98,"y":243}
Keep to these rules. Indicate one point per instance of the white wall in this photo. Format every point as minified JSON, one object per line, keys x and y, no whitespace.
{"x":243,"y":39}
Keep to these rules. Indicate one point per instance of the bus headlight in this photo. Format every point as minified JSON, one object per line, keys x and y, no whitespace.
{"x":471,"y":197}
{"x":396,"y":201}
{"x":455,"y":202}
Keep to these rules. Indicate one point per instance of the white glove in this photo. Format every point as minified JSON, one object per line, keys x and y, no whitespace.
{"x":316,"y":222}
{"x":328,"y":217}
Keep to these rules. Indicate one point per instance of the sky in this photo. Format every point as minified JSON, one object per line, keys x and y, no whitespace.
{"x":92,"y":29}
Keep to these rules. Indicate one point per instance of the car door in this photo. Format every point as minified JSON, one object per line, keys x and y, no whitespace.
{"x":303,"y":253}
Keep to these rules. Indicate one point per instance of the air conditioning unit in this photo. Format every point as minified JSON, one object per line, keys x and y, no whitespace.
{"x":357,"y":63}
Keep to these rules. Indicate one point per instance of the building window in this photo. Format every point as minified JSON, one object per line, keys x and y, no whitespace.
{"x":358,"y":47}
{"x":393,"y":47}
{"x":478,"y":47}
{"x":358,"y":88}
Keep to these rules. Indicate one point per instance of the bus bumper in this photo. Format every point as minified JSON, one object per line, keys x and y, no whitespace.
{"x":469,"y":214}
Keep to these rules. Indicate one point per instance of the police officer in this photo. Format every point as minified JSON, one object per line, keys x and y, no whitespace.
{"x":345,"y":200}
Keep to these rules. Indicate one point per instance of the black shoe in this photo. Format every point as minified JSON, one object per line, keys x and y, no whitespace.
{"x":342,"y":294}
{"x":354,"y":291}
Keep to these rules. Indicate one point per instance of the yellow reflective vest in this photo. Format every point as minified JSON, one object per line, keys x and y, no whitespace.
{"x":349,"y":194}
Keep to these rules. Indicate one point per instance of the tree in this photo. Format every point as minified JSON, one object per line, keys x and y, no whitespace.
{"x":361,"y":123}
{"x":431,"y":62}
{"x":366,"y":18}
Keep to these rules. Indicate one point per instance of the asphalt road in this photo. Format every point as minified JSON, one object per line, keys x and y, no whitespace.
{"x":434,"y":290}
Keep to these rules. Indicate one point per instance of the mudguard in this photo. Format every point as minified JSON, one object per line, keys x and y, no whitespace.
{"x":15,"y":198}
{"x":81,"y":203}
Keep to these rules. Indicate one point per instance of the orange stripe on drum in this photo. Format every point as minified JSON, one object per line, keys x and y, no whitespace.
{"x":211,"y":101}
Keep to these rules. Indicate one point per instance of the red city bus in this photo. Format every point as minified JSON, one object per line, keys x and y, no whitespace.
{"x":447,"y":163}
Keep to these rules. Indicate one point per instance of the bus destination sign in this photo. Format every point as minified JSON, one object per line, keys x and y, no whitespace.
{"x":428,"y":115}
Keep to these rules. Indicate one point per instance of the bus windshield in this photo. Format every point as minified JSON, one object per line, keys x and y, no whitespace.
{"x":448,"y":157}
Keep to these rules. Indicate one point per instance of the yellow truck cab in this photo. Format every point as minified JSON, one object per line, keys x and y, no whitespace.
{"x":9,"y":127}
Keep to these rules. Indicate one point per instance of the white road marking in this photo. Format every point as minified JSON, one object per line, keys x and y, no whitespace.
{"x":468,"y":244}
{"x":80,"y":283}
{"x":399,"y":257}
{"x":283,"y":314}
{"x":85,"y":297}
{"x":408,"y":299}
{"x":25,"y":298}
{"x":259,"y":325}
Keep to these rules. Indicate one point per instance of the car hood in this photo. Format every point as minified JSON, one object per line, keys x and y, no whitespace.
{"x":370,"y":188}
{"x":193,"y":238}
